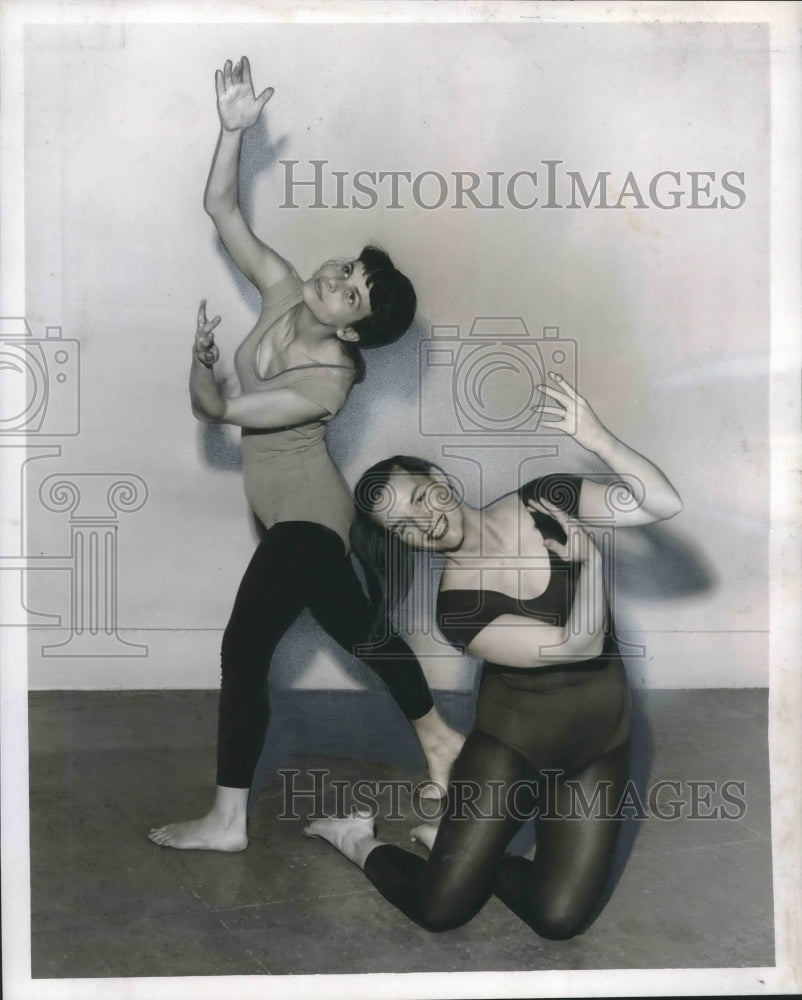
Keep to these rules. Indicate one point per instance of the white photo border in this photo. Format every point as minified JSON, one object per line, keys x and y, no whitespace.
{"x":785,"y":699}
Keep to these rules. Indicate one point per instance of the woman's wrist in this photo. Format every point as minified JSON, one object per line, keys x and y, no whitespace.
{"x":199,"y":364}
{"x":598,"y":440}
{"x":590,"y":555}
{"x":231,"y":135}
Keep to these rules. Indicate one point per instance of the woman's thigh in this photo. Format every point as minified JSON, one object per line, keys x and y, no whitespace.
{"x":576,"y":834}
{"x":477,"y":827}
{"x":286,"y":570}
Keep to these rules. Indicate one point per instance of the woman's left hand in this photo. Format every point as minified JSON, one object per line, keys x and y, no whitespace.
{"x":573,"y":414}
{"x":579,"y":545}
{"x":206,"y":350}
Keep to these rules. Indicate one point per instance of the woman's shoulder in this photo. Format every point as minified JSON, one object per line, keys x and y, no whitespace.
{"x":337,"y":355}
{"x":560,"y":489}
{"x":461,"y":579}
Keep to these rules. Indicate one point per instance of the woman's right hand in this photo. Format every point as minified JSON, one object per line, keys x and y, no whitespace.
{"x":237,"y":104}
{"x":205,"y":350}
{"x":578,"y":545}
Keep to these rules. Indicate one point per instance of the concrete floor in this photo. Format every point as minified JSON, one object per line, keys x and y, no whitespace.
{"x":104,"y":767}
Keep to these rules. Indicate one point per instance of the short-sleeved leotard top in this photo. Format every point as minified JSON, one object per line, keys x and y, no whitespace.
{"x":288,"y":473}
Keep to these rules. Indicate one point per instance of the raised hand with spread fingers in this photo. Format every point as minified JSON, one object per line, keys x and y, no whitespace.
{"x":237,"y":103}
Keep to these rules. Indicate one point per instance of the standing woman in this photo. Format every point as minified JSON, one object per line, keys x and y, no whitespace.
{"x":295,"y":369}
{"x":522,"y":589}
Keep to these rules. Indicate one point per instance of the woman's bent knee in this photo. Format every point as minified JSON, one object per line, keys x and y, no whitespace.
{"x":558,"y":925}
{"x":439,"y":920}
{"x":440,"y":913}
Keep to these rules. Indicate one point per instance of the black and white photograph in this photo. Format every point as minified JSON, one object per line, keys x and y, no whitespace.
{"x":400,"y":519}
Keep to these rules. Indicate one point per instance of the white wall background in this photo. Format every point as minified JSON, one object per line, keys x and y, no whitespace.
{"x":669,"y":308}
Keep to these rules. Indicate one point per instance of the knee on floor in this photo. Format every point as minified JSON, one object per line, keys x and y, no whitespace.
{"x":441,"y":915}
{"x":558,"y":924}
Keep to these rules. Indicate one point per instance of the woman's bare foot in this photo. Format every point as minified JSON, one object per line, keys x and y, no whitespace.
{"x":441,"y":746}
{"x":425,"y":834}
{"x":353,"y":836}
{"x":223,"y":828}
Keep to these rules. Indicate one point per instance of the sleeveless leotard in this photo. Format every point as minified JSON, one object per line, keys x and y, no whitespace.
{"x":558,"y":716}
{"x":288,"y":473}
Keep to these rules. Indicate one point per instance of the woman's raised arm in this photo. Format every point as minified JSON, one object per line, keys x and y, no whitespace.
{"x":238,"y":108}
{"x":642,"y":495}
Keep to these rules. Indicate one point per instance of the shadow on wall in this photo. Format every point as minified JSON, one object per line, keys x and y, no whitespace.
{"x":219,"y":450}
{"x":654,"y":563}
{"x":392,"y":376}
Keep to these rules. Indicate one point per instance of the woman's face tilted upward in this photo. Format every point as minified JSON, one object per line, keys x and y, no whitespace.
{"x":422,"y":509}
{"x":337,"y":294}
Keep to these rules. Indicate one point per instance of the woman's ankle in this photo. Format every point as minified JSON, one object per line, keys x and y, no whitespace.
{"x":231,"y":805}
{"x":430,"y":727}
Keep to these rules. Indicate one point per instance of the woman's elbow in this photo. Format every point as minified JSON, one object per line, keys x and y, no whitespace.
{"x":659,"y":509}
{"x":213,"y":208}
{"x":596,"y":646}
{"x":217,"y":208}
{"x":669,"y":507}
{"x":206,"y":416}
{"x":677,"y":506}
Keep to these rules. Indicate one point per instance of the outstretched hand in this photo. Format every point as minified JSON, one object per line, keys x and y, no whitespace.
{"x":237,"y":104}
{"x":206,"y":350}
{"x":572,"y":414}
{"x":578,"y":545}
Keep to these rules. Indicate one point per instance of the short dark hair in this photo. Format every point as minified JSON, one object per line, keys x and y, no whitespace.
{"x":388,"y":563}
{"x":392,"y":300}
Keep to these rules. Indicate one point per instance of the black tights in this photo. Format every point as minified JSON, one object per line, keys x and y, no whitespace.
{"x":557,"y":894}
{"x":298,"y":564}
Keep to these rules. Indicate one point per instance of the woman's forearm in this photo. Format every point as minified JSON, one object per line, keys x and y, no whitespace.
{"x":584,"y":629}
{"x":208,"y":403}
{"x":650,"y":487}
{"x":222,"y":187}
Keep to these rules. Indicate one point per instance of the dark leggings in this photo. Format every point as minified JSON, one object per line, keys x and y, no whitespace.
{"x":558,"y":894}
{"x":297,"y":564}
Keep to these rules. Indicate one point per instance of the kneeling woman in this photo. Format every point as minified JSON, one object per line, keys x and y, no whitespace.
{"x":522,"y":589}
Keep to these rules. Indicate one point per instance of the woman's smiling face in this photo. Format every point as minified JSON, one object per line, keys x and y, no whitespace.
{"x":422,"y":509}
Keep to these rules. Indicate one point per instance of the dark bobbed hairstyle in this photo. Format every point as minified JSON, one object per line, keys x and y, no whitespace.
{"x":392,"y":306}
{"x":388,"y":563}
{"x":392,"y":300}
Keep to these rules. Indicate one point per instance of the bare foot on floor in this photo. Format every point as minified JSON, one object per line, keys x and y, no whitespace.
{"x":353,"y":836}
{"x":209,"y":833}
{"x":425,"y":834}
